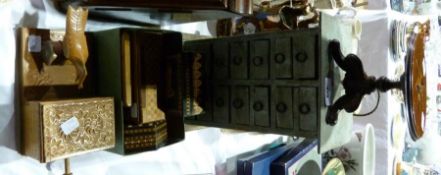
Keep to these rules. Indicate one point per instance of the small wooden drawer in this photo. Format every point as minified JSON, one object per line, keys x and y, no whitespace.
{"x":305,"y":108}
{"x":304,"y":56}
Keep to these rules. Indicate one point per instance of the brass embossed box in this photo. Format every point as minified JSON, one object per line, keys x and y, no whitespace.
{"x":63,"y":128}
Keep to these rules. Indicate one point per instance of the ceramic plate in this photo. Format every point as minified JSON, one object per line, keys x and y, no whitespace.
{"x":415,"y":84}
{"x":397,"y":132}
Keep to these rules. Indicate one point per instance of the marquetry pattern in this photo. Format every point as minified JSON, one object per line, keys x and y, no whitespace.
{"x":145,"y":136}
{"x":151,"y":112}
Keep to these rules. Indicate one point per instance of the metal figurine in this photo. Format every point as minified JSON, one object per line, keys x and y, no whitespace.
{"x":356,"y":83}
{"x":299,"y":14}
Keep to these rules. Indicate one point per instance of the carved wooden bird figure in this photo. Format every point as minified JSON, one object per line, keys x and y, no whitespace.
{"x":74,"y":42}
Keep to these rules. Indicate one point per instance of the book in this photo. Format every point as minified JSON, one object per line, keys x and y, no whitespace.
{"x":259,"y":164}
{"x":294,"y":159}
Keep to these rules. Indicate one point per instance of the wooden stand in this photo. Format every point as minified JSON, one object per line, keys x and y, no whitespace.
{"x":67,"y":167}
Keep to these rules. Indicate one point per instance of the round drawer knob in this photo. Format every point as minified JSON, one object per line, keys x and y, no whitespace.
{"x":258,"y":106}
{"x":279,"y":58}
{"x":304,"y":108}
{"x":237,"y":60}
{"x":301,"y":57}
{"x":281,"y":107}
{"x":258,"y":61}
{"x":237,"y":103}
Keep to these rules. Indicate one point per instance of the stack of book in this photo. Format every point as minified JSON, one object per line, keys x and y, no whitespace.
{"x":300,"y":157}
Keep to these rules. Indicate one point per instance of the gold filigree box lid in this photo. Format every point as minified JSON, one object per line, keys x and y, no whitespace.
{"x":63,"y":128}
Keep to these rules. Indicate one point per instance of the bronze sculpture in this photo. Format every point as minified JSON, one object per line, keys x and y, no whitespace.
{"x":412,"y":82}
{"x":356,"y":83}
